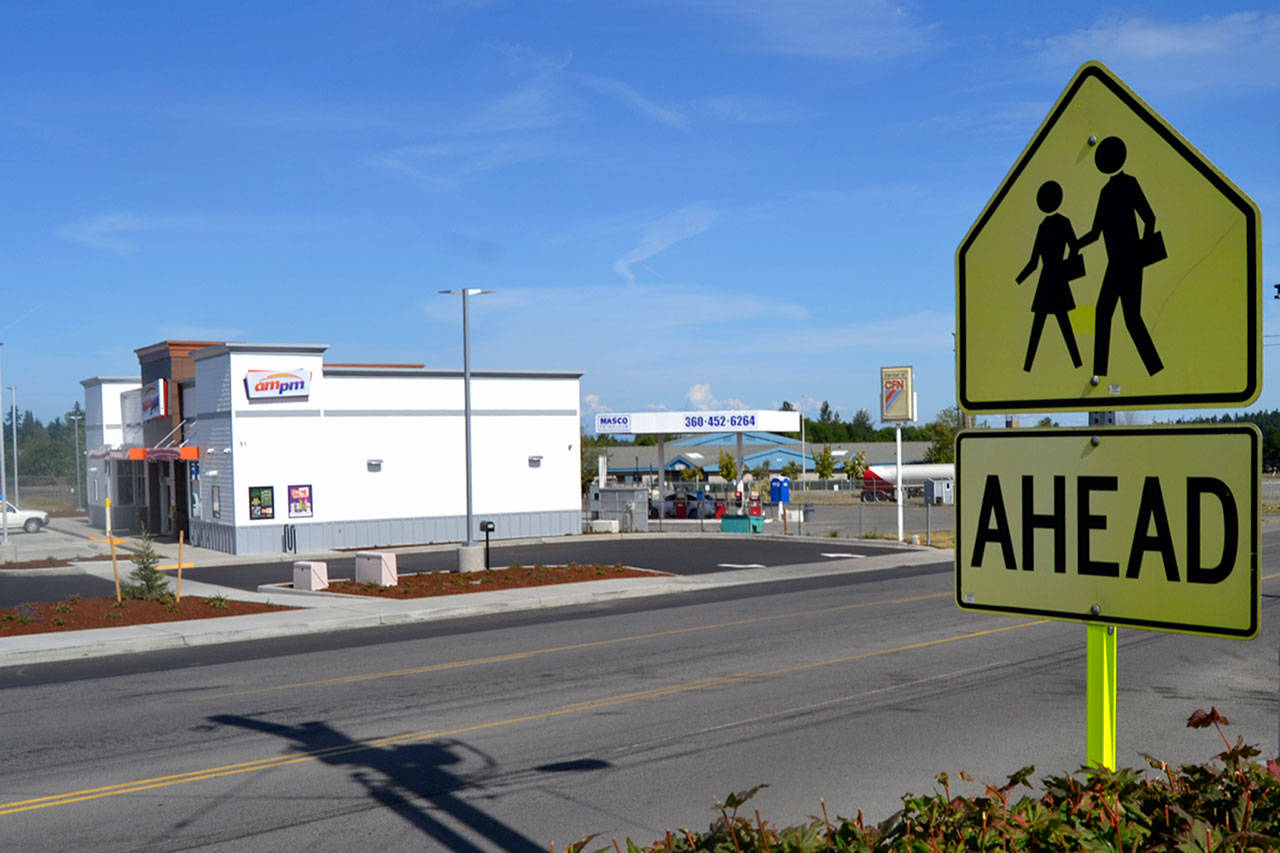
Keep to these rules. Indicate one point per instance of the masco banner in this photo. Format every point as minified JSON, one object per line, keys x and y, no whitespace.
{"x":611,"y":422}
{"x":274,"y":384}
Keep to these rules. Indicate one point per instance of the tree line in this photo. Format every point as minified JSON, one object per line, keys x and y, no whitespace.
{"x":44,"y":450}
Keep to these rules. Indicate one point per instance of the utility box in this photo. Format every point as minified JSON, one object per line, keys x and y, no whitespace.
{"x":939,"y":491}
{"x":311,"y":575}
{"x":626,"y":503}
{"x":376,"y":567}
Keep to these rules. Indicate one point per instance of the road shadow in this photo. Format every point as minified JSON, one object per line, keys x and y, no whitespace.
{"x":412,"y":780}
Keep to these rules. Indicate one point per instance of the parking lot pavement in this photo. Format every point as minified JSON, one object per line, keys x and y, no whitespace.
{"x":63,"y":539}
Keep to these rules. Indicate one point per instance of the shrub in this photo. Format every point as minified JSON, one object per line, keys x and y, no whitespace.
{"x":1229,"y":803}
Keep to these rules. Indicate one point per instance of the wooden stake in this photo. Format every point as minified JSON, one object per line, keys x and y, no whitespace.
{"x":115,"y":570}
{"x":181,"y":534}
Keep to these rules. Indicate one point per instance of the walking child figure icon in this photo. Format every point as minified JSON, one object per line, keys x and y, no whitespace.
{"x":1056,"y":252}
{"x":1121,"y":204}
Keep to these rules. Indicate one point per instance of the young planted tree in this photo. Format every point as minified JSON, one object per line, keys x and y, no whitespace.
{"x":146,"y":581}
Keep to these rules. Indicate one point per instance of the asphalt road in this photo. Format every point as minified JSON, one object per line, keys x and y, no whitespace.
{"x":511,"y":732}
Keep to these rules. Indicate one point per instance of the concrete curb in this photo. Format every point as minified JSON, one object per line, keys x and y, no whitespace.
{"x":322,"y":612}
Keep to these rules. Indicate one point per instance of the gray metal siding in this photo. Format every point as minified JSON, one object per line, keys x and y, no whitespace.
{"x":268,"y":537}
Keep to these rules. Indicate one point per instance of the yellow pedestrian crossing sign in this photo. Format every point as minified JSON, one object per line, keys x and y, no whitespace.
{"x":1114,"y":268}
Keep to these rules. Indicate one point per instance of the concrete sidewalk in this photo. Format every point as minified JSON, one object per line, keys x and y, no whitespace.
{"x":323,"y":612}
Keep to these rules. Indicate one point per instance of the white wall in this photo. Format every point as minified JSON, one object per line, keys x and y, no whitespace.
{"x":413,"y":423}
{"x":106,"y":416}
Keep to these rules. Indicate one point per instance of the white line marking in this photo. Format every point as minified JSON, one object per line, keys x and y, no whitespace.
{"x":854,"y":556}
{"x":741,"y":565}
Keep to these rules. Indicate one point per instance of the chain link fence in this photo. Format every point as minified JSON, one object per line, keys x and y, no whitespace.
{"x":51,"y":494}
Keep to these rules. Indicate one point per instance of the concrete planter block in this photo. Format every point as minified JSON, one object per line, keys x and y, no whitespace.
{"x":376,"y":567}
{"x":603,"y":525}
{"x":310,"y":574}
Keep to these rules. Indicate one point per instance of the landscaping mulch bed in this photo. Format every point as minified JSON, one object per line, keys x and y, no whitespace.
{"x":514,"y":577}
{"x":77,"y":613}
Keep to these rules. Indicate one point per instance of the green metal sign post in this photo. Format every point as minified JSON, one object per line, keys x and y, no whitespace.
{"x":1100,"y":696}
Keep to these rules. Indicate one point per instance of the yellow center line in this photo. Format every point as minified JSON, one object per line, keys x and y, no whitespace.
{"x":530,"y":653}
{"x":1270,"y":576}
{"x":412,"y":737}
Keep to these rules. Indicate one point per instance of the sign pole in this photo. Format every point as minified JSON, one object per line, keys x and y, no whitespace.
{"x":1100,"y":696}
{"x":897,"y":432}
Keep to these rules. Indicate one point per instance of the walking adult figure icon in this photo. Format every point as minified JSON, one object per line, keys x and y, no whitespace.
{"x":1056,"y":252}
{"x":1120,"y":205}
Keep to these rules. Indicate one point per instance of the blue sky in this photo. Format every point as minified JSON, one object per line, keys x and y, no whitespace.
{"x":698,"y":204}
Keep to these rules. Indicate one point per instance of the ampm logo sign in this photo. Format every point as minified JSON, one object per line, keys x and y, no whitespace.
{"x":613,"y":423}
{"x":274,"y":384}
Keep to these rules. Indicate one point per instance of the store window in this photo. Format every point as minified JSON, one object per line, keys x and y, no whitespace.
{"x":131,"y":483}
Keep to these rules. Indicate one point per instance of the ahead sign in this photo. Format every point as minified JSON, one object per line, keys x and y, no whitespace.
{"x":1152,"y":527}
{"x":1114,"y":268}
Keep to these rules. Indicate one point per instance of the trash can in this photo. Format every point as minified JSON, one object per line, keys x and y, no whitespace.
{"x":808,"y":512}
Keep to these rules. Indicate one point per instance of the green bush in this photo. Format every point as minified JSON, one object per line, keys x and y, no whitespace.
{"x":1230,"y":803}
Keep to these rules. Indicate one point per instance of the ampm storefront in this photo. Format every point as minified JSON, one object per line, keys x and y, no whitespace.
{"x":253,"y":448}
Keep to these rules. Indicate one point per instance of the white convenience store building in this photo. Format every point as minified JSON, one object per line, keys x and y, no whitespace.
{"x":253,"y":448}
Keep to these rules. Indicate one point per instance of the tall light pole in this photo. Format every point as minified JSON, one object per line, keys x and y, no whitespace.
{"x":4,"y":495}
{"x":467,"y":293}
{"x":75,"y":432}
{"x":13,"y":397}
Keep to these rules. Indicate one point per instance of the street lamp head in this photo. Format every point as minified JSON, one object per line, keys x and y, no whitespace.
{"x":469,"y":291}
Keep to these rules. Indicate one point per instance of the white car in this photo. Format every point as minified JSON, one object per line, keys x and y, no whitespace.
{"x":30,"y":520}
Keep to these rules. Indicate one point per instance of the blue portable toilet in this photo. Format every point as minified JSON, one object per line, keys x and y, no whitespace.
{"x":780,"y":489}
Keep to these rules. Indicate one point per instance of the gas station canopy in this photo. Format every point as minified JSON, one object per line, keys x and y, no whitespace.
{"x":746,"y":420}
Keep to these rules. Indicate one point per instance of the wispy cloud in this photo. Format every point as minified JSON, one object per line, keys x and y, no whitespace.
{"x":666,"y":232}
{"x":444,"y":164}
{"x":1016,"y":118}
{"x":1239,"y":50}
{"x":1136,"y":38}
{"x":108,"y":232}
{"x":744,"y":109}
{"x":538,"y":104}
{"x":822,"y":29}
{"x":700,"y":398}
{"x":121,"y":232}
{"x":628,"y":96}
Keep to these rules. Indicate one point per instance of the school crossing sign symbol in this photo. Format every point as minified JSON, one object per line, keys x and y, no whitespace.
{"x":1114,"y":268}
